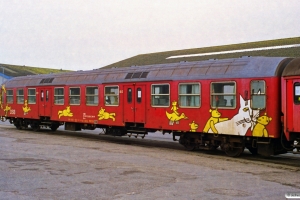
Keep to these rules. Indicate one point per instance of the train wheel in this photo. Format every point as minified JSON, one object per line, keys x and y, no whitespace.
{"x":18,"y":125}
{"x":190,"y":147}
{"x":35,"y":127}
{"x":233,"y":149}
{"x":187,"y":142}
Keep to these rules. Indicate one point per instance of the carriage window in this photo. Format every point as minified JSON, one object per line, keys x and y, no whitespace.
{"x":9,"y":96}
{"x":31,"y":96}
{"x":59,"y":96}
{"x":160,"y":95}
{"x":20,"y":96}
{"x":258,"y":94}
{"x":91,"y":96}
{"x":189,"y":95}
{"x":129,"y":95}
{"x":74,"y":96}
{"x":111,"y":95}
{"x":223,"y":95}
{"x":297,"y":93}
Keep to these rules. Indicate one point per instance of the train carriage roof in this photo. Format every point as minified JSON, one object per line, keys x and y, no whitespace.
{"x":244,"y":67}
{"x":293,"y":68}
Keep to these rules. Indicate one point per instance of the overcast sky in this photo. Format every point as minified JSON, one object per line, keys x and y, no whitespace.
{"x":89,"y":34}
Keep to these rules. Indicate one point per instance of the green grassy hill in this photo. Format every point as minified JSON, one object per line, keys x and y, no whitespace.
{"x":160,"y":57}
{"x":17,"y":70}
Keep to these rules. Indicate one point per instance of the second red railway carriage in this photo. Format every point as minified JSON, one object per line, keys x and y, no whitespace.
{"x":251,"y":102}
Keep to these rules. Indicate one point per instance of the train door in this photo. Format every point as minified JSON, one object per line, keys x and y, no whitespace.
{"x":293,"y":105}
{"x":45,"y":102}
{"x":134,"y":103}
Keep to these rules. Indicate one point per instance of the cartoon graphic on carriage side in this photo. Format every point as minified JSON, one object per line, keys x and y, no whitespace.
{"x":3,"y":88}
{"x":175,"y":117}
{"x":26,"y":109}
{"x":241,"y":122}
{"x":2,"y":92}
{"x":260,"y":127}
{"x":105,"y":115}
{"x":65,"y":113}
{"x":6,"y":109}
{"x":193,"y":126}
{"x":213,"y":120}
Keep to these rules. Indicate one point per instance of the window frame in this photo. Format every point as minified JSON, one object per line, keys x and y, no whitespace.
{"x":154,"y":94}
{"x":11,"y":96}
{"x":295,"y":95}
{"x":19,"y":96}
{"x":112,"y":95}
{"x":261,"y":94}
{"x":77,"y":95}
{"x":90,"y":95}
{"x":181,"y":94}
{"x":31,"y":95}
{"x":223,"y":94}
{"x":58,"y":95}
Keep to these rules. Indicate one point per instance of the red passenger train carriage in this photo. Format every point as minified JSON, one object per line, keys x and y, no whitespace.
{"x":251,"y":102}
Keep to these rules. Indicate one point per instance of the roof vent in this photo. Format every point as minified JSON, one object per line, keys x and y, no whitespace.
{"x":46,"y":80}
{"x":136,"y":75}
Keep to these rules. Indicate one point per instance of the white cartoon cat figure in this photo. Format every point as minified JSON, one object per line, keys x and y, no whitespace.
{"x":241,"y":122}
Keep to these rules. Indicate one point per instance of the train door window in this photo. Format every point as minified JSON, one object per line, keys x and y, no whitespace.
{"x":258,"y":94}
{"x":189,"y":95}
{"x":20,"y":96}
{"x":9,"y":96}
{"x":129,"y":95}
{"x":31,"y":96}
{"x":160,"y":95}
{"x":74,"y":96}
{"x":92,"y":96}
{"x":297,"y":93}
{"x":59,"y":97}
{"x":47,"y":95}
{"x":42,"y":95}
{"x":223,"y":95}
{"x":139,"y":95}
{"x":111,"y":95}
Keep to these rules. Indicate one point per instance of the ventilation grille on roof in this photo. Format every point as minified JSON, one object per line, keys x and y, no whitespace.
{"x":136,"y":75}
{"x":47,"y":80}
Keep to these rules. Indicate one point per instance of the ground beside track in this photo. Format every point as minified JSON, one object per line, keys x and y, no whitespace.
{"x":78,"y":165}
